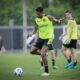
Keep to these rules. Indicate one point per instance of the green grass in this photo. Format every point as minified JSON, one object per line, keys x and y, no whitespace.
{"x":32,"y":68}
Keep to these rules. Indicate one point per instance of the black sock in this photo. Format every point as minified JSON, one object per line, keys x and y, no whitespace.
{"x":53,"y":62}
{"x":69,"y":60}
{"x":42,"y":63}
{"x":75,"y":63}
{"x":46,"y":69}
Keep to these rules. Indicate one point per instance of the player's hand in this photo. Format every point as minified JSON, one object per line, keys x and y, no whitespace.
{"x":50,"y":41}
{"x":61,"y":19}
{"x":61,"y":37}
{"x":58,"y":21}
{"x":67,"y":41}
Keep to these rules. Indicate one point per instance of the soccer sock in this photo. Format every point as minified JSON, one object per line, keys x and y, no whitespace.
{"x":42,"y":63}
{"x":46,"y":69}
{"x":75,"y":63}
{"x":53,"y":62}
{"x":69,"y":60}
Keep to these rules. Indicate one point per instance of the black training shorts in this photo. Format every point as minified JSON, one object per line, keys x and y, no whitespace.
{"x":41,"y":42}
{"x":72,"y":44}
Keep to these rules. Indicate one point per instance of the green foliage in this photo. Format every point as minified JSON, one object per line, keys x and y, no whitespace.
{"x":12,"y":9}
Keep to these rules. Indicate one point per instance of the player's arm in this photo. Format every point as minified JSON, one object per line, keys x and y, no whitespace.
{"x":35,"y":29}
{"x":71,"y":24}
{"x":61,"y":19}
{"x":51,"y":18}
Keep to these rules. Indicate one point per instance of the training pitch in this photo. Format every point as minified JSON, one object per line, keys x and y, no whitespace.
{"x":32,"y":69}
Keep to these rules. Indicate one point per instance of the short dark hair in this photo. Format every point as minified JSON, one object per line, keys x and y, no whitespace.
{"x":39,"y":9}
{"x":68,"y":11}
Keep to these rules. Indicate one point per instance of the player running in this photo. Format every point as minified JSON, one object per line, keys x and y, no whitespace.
{"x":44,"y":28}
{"x":71,"y":41}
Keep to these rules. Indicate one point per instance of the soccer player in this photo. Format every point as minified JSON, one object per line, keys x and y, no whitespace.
{"x":71,"y":32}
{"x":44,"y":28}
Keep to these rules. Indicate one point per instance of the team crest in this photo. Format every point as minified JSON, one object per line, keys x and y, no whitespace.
{"x":44,"y":19}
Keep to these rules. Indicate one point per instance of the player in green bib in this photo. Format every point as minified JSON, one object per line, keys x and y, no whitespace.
{"x":72,"y":34}
{"x":45,"y":30}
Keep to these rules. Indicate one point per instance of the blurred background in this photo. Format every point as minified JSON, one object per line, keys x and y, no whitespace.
{"x":17,"y":20}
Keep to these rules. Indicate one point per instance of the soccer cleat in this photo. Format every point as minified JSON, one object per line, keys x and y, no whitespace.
{"x":69,"y":64}
{"x":75,"y":67}
{"x":72,"y":67}
{"x":54,"y":67}
{"x":45,"y":74}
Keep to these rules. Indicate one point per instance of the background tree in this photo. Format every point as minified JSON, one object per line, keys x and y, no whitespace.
{"x":12,"y":9}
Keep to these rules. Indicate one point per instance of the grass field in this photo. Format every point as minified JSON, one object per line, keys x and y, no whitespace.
{"x":32,"y":68}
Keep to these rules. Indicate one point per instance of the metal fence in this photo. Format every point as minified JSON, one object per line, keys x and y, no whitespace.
{"x":13,"y":37}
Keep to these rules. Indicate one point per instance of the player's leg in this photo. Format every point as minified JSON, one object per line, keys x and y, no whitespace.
{"x":53,"y":57}
{"x":74,"y":58}
{"x":36,"y":47}
{"x":33,"y":50}
{"x":41,"y":61}
{"x":44,"y":58}
{"x":66,"y":54}
{"x":73,"y":53}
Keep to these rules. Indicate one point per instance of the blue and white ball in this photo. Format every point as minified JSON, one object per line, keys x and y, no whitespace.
{"x":18,"y":71}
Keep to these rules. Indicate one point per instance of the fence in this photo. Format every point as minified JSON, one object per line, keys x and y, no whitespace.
{"x":13,"y":37}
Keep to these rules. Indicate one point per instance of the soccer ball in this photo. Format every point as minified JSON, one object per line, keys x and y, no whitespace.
{"x":18,"y":71}
{"x":30,"y":39}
